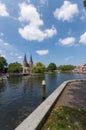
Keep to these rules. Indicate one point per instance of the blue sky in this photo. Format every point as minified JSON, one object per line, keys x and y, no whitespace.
{"x":50,"y":30}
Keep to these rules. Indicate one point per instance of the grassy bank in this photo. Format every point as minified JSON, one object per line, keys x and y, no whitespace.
{"x":66,"y":118}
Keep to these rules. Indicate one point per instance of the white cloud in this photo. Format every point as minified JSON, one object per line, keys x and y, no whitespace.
{"x":68,"y":58}
{"x":9,"y":52}
{"x":4,"y":45}
{"x":0,"y":51}
{"x":3,"y":55}
{"x":3,"y":10}
{"x":42,"y":52}
{"x":5,"y":48}
{"x":29,"y":15}
{"x":66,"y":12}
{"x":44,"y":2}
{"x":16,"y":55}
{"x":1,"y":34}
{"x":20,"y":57}
{"x":13,"y":54}
{"x":83,"y":16}
{"x":83,"y":38}
{"x":69,"y":41}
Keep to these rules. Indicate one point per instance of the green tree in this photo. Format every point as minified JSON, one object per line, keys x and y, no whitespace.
{"x":66,"y":67}
{"x":3,"y":64}
{"x":51,"y":67}
{"x":15,"y":67}
{"x":39,"y":68}
{"x":84,"y":2}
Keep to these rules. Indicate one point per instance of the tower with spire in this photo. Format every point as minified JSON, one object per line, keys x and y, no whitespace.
{"x":27,"y":68}
{"x":31,"y":65}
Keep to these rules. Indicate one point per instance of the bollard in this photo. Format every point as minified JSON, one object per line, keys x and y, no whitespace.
{"x":43,"y":89}
{"x":43,"y":82}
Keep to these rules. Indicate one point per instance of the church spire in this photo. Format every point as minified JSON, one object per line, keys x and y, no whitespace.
{"x":31,"y":61}
{"x":25,"y":66}
{"x":25,"y":59}
{"x":31,"y":65}
{"x":25,"y":63}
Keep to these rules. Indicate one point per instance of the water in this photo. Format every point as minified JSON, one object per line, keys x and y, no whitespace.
{"x":19,"y":97}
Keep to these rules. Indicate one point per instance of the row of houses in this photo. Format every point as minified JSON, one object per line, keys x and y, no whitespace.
{"x":80,"y":69}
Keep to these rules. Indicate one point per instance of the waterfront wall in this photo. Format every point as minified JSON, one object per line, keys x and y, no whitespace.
{"x":36,"y":119}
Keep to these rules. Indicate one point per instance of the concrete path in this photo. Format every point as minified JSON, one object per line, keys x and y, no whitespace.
{"x":74,"y":95}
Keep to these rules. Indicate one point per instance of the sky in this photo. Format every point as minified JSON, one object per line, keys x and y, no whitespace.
{"x":49,"y":30}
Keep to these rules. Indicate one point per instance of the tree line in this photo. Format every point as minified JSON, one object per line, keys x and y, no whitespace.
{"x":39,"y":67}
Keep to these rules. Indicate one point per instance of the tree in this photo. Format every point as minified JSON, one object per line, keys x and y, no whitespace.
{"x":39,"y":68}
{"x":3,"y":64}
{"x":51,"y":67}
{"x":66,"y":67}
{"x":15,"y":67}
{"x":84,"y":2}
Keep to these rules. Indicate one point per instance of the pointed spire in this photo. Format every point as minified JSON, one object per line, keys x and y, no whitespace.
{"x":31,"y":59}
{"x":25,"y":59}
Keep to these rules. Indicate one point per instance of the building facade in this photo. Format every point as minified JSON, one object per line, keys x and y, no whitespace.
{"x":27,"y":67}
{"x":80,"y":69}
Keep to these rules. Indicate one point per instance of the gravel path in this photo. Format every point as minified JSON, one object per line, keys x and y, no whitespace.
{"x":74,"y":95}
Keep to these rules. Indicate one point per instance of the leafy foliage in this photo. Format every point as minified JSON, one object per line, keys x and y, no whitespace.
{"x":39,"y":68}
{"x":84,"y":2}
{"x":3,"y":64}
{"x":66,"y":67}
{"x":51,"y":67}
{"x":15,"y":67}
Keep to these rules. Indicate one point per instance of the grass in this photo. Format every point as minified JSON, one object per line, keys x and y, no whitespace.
{"x":66,"y":118}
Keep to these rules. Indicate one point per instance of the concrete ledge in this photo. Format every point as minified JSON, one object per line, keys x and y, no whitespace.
{"x":36,"y":119}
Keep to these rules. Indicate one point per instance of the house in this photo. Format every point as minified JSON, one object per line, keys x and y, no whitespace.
{"x":80,"y":69}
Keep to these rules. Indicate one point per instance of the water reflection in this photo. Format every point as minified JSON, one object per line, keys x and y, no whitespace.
{"x":19,"y":97}
{"x":25,"y":84}
{"x":43,"y":92}
{"x":2,"y":86}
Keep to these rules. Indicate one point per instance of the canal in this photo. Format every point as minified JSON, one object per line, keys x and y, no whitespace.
{"x":19,"y":96}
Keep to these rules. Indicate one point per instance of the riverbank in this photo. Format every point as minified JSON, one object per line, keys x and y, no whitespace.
{"x":20,"y":97}
{"x":69,"y":111}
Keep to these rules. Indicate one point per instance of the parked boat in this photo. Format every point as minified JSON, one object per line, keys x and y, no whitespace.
{"x":4,"y":77}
